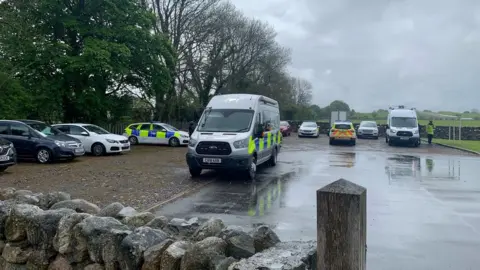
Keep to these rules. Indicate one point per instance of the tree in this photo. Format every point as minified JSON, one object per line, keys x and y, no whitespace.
{"x":303,"y":91}
{"x":338,"y":105}
{"x":77,"y":55}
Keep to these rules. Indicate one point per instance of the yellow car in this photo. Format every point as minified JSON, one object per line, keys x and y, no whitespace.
{"x":343,"y":131}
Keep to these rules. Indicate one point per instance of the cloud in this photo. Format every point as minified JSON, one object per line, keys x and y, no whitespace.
{"x":377,"y":53}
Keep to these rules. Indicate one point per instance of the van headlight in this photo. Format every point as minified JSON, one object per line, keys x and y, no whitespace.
{"x":416,"y":131}
{"x":241,"y":143}
{"x":393,"y":131}
{"x":192,"y":142}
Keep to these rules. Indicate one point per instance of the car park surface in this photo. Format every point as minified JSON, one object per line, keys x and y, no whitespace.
{"x":422,"y":202}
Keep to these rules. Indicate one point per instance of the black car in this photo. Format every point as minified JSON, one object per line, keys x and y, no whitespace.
{"x":44,"y":146}
{"x":8,"y":155}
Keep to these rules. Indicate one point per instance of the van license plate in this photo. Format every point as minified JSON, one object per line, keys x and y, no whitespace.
{"x":212,"y":160}
{"x":4,"y":158}
{"x":403,"y":138}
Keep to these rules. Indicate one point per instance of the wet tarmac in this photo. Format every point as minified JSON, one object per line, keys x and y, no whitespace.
{"x":423,"y":204}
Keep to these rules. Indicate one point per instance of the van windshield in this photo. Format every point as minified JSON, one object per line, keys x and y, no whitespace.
{"x":404,"y":122}
{"x":226,"y":120}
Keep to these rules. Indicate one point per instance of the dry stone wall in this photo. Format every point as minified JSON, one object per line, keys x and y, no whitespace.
{"x":55,"y":232}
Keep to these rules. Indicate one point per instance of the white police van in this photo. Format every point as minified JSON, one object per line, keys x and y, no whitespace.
{"x":236,"y":132}
{"x":402,"y":127}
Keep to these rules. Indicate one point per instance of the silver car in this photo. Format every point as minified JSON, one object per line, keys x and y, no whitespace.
{"x":368,"y":129}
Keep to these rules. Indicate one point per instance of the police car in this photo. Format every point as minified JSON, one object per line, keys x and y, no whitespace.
{"x":342,"y":131}
{"x":155,"y":133}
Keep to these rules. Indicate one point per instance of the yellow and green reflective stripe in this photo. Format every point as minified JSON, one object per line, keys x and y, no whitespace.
{"x":251,"y":145}
{"x":160,"y":134}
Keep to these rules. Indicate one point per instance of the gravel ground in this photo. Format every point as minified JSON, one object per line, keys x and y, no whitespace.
{"x":141,"y":178}
{"x":151,"y":174}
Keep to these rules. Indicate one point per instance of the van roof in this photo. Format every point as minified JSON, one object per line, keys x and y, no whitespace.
{"x":239,"y":101}
{"x":403,"y":113}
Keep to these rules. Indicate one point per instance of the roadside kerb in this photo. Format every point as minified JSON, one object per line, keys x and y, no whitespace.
{"x":454,"y":147}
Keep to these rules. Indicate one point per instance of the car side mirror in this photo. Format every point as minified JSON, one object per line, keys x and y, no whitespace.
{"x":84,"y":133}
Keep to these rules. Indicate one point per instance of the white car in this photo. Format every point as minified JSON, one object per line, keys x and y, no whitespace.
{"x":95,"y":139}
{"x":368,"y":129}
{"x":308,"y":129}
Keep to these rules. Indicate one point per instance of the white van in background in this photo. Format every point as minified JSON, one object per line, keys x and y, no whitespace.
{"x":402,"y":127}
{"x":236,"y":132}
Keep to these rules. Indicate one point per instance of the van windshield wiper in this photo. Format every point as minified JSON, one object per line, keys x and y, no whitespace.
{"x":241,"y":130}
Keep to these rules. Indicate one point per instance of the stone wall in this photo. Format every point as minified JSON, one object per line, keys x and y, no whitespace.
{"x":55,"y":232}
{"x":441,"y":132}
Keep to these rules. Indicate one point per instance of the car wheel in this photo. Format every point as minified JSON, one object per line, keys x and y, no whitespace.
{"x":133,"y":140}
{"x":2,"y":169}
{"x":98,"y":149}
{"x":273,"y":157}
{"x":195,"y":172}
{"x":43,"y":155}
{"x":252,"y":171}
{"x":174,"y":142}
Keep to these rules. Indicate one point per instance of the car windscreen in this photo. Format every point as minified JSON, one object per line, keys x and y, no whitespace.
{"x":96,"y":129}
{"x":342,"y":126}
{"x":284,"y":124}
{"x":368,"y":124}
{"x":226,"y":120}
{"x":45,"y":129}
{"x":309,"y":125}
{"x":404,"y":122}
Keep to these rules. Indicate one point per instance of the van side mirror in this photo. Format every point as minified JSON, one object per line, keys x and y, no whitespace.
{"x":387,"y":126}
{"x":84,"y":133}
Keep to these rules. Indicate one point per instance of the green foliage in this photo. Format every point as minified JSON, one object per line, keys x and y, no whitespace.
{"x":79,"y":57}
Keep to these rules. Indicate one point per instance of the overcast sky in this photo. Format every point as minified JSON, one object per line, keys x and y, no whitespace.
{"x":377,"y":53}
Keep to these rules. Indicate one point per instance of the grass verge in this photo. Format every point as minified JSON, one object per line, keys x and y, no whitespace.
{"x":470,"y":145}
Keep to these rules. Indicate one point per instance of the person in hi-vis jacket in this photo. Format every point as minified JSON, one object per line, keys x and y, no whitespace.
{"x":430,"y":131}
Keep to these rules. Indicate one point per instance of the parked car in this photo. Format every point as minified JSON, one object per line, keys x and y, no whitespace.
{"x":155,"y":133}
{"x":32,"y":144}
{"x":343,"y":131}
{"x":308,"y":129}
{"x":95,"y":139}
{"x":367,"y":129}
{"x":53,"y":133}
{"x":8,"y":156}
{"x":285,"y":128}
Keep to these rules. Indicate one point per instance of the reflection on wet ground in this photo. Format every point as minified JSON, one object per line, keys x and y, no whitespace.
{"x":423,"y":209}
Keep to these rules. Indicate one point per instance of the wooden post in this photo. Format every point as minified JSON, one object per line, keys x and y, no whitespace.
{"x":341,"y":226}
